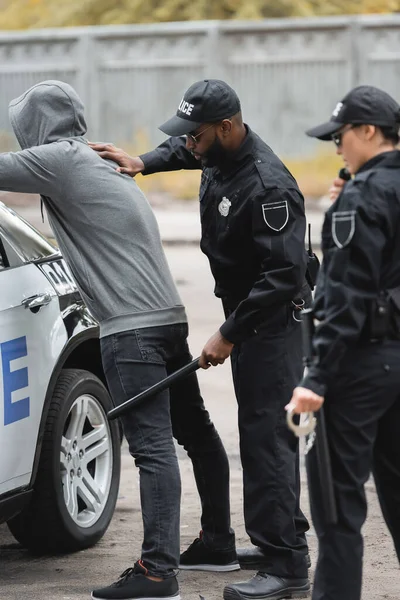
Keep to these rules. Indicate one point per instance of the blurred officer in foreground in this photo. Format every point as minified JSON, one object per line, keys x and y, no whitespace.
{"x":356,"y":367}
{"x":253,"y":229}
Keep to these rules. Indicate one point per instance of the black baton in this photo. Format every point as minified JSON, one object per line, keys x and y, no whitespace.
{"x":154,"y":389}
{"x":321,"y":440}
{"x":325,"y":469}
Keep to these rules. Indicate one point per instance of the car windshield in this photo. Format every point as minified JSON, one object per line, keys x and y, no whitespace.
{"x":28,"y":243}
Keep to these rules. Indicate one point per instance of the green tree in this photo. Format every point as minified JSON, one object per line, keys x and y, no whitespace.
{"x":25,"y":14}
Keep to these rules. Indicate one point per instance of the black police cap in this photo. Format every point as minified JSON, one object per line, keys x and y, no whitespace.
{"x":364,"y":105}
{"x":206,"y":101}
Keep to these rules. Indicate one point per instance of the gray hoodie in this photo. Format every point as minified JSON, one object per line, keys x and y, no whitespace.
{"x":103,"y":223}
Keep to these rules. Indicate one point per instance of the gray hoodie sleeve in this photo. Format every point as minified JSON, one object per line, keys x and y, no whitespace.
{"x":33,"y":171}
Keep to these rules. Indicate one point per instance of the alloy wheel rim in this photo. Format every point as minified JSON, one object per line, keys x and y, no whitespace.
{"x":86,"y":461}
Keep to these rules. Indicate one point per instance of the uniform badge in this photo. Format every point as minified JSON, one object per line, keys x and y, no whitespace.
{"x":224,"y":206}
{"x":276,"y":214}
{"x":343,"y":227}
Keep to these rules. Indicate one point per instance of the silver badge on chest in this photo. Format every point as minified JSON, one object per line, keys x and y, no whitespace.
{"x":224,"y":206}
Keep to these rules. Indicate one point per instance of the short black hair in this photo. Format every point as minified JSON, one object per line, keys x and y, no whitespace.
{"x":390,"y":133}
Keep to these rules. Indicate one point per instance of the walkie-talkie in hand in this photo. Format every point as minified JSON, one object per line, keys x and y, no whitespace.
{"x":344,"y":174}
{"x":312,"y":262}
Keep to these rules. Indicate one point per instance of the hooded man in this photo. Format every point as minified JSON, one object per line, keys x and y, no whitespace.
{"x":109,"y":237}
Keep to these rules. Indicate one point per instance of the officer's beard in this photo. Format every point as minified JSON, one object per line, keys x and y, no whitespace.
{"x":215,"y":154}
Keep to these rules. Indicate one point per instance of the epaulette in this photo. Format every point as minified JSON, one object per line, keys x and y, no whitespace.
{"x":274,"y":174}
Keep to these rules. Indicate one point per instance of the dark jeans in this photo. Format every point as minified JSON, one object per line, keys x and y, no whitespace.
{"x":266,"y":368}
{"x":362,"y":413}
{"x":133,"y":361}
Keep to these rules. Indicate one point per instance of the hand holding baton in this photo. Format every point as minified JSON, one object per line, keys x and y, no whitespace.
{"x":162,"y":385}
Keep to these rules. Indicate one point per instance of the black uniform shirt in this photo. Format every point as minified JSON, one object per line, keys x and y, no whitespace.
{"x":253,"y":229}
{"x":361,"y":258}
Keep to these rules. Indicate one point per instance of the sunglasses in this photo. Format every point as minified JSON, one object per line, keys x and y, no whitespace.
{"x":337,"y":137}
{"x":194,"y":138}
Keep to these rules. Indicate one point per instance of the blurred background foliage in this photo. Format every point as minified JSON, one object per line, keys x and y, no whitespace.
{"x":27,"y":14}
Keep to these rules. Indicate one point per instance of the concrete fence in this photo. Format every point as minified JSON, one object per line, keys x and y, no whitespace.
{"x":289,"y":74}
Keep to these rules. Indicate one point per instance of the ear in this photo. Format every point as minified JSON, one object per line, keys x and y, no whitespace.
{"x":369,"y":132}
{"x":226,"y":127}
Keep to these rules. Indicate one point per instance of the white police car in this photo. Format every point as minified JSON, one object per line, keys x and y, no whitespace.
{"x":59,"y":456}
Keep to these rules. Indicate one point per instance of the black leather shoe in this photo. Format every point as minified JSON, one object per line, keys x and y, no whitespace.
{"x":267,"y":587}
{"x":254,"y":559}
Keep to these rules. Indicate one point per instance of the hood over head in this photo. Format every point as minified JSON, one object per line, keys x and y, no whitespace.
{"x":47,"y":112}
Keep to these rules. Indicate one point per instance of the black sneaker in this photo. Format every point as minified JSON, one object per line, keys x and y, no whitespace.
{"x":134,"y":585}
{"x":200,"y":558}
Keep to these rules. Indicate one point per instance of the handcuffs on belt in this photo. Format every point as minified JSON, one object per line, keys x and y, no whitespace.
{"x":297,"y":308}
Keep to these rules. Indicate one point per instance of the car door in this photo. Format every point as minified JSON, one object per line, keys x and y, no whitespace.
{"x":30,"y":343}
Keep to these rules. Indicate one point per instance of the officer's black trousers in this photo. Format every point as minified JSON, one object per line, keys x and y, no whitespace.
{"x":362,"y":411}
{"x":265,"y":369}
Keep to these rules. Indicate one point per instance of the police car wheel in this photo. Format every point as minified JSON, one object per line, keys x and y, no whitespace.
{"x":77,"y":482}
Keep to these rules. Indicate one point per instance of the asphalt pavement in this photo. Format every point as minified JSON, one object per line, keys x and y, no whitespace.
{"x":72,"y":577}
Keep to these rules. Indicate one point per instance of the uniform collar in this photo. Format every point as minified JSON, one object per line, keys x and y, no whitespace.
{"x":385,"y":159}
{"x":234,"y":160}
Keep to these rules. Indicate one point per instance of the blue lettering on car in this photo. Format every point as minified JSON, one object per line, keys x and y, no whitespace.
{"x":14,"y":380}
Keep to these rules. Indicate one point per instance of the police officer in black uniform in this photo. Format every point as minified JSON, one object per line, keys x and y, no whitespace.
{"x":356,"y":367}
{"x":253,"y":229}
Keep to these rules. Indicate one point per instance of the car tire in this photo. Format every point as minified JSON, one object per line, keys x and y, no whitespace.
{"x":77,"y":482}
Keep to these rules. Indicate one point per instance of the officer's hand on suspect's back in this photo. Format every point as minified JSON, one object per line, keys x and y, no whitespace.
{"x":304,"y":400}
{"x":126,"y":164}
{"x":215,"y":352}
